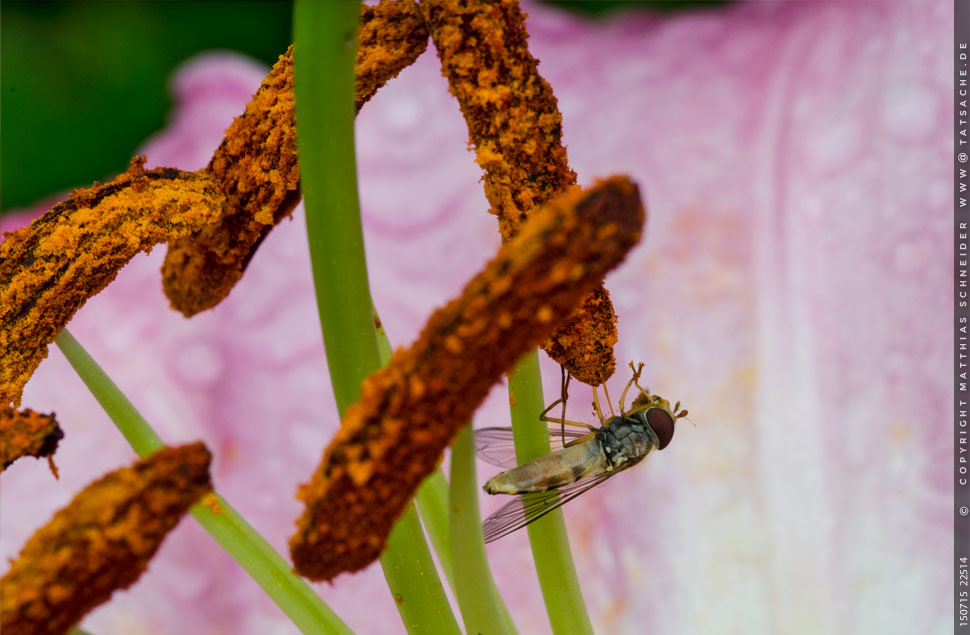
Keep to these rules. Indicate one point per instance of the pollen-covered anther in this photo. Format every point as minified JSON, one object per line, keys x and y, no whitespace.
{"x":351,"y":505}
{"x":606,"y":231}
{"x":50,"y":268}
{"x":417,"y":387}
{"x":515,"y":126}
{"x":500,"y":286}
{"x":101,"y":542}
{"x":471,"y":329}
{"x":27,"y":433}
{"x":359,"y":472}
{"x":256,"y":165}
{"x":454,"y":345}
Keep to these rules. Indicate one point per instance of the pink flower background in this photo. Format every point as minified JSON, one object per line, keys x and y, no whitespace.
{"x":792,"y":291}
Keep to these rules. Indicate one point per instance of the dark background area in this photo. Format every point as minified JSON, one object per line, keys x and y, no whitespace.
{"x":82,"y":84}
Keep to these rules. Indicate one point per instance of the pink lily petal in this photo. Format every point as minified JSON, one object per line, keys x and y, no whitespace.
{"x":792,"y":291}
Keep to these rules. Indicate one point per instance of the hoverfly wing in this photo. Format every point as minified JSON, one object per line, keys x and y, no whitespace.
{"x":526,"y":508}
{"x":496,"y":446}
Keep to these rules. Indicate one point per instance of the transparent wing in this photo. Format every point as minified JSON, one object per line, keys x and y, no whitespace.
{"x":526,"y":508}
{"x":496,"y":447}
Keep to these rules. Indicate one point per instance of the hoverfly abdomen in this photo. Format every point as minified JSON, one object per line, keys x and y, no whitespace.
{"x":550,"y":471}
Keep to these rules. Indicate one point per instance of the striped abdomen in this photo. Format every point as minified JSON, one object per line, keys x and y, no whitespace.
{"x":553,"y":470}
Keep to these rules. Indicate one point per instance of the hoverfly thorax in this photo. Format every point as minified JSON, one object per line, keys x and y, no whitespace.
{"x":626,"y":441}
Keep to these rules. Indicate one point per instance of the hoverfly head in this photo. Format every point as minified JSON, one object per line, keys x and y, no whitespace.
{"x":654,"y":409}
{"x":662,"y":423}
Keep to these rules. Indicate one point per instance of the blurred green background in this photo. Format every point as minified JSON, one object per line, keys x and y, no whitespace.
{"x":82,"y":84}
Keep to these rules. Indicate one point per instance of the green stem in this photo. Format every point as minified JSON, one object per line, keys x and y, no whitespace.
{"x":547,"y":535}
{"x":325,"y":36}
{"x":432,"y":501}
{"x":432,"y":496}
{"x":140,"y":436}
{"x":480,"y":603}
{"x":267,"y":567}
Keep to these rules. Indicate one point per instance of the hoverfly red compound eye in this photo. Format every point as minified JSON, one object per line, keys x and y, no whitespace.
{"x":663,"y":424}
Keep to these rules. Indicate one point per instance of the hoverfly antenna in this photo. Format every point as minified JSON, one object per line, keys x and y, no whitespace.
{"x":682,"y":414}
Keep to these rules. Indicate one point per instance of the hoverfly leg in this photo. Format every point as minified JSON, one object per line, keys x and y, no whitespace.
{"x":581,"y":439}
{"x":636,"y":371}
{"x":564,"y":395}
{"x":636,"y":380}
{"x":542,"y":415}
{"x":566,"y":422}
{"x":609,"y":402}
{"x":623,"y":412}
{"x":596,"y":407}
{"x":562,"y":421}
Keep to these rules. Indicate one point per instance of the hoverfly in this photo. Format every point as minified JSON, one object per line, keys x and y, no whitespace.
{"x":582,"y":461}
